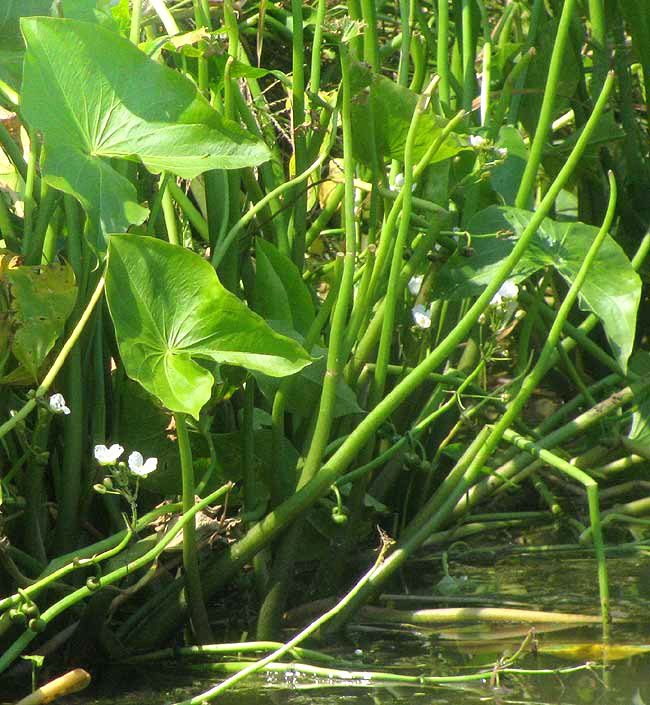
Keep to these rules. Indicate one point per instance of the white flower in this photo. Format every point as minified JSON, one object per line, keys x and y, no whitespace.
{"x":415,"y":283}
{"x":502,"y":152}
{"x":57,"y":404}
{"x":138,"y":465}
{"x":421,"y":316}
{"x":476,"y":140}
{"x":108,"y":456}
{"x":508,"y":290}
{"x":399,"y":182}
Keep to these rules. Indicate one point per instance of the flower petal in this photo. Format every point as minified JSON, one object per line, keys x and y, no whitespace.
{"x":108,"y":456}
{"x":58,"y":405}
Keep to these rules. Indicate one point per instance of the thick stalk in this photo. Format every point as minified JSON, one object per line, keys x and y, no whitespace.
{"x":392,"y":293}
{"x":442,"y":52}
{"x":136,"y":16}
{"x":298,"y":222}
{"x":272,"y":606}
{"x":370,"y":41}
{"x":546,"y":113}
{"x":198,"y":612}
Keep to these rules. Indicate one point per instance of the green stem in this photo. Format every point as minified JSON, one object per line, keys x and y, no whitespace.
{"x":56,"y":366}
{"x":392,"y":293}
{"x":469,"y":55}
{"x":271,"y":608}
{"x":370,"y":41}
{"x":34,"y":247}
{"x":442,"y":52}
{"x":535,"y":21}
{"x":136,"y":17}
{"x":594,"y":512}
{"x":530,"y":382}
{"x":190,"y":210}
{"x":198,"y":612}
{"x":314,"y":73}
{"x":405,"y":46}
{"x":168,"y":211}
{"x":222,"y":248}
{"x":598,"y":45}
{"x":231,"y":559}
{"x":298,"y":222}
{"x":546,"y":112}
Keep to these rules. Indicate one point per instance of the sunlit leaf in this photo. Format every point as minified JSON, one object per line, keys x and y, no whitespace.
{"x":95,"y":96}
{"x":612,"y":289}
{"x":393,"y":108}
{"x":170,"y":311}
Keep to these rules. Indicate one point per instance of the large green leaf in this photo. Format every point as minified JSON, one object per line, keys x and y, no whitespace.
{"x":280,"y":292}
{"x":612,"y":289}
{"x":94,"y":95}
{"x":170,"y":310}
{"x":393,"y":106}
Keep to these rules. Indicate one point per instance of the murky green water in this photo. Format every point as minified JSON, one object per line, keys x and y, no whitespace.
{"x":532,"y":582}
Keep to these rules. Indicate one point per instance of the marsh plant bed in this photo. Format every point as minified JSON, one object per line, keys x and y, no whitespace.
{"x":296,"y":295}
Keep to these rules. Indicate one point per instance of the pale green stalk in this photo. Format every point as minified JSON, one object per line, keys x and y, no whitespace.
{"x":314,"y":73}
{"x":546,"y":112}
{"x":392,"y":293}
{"x":591,"y":487}
{"x":405,"y":46}
{"x":442,"y":52}
{"x":386,"y":239}
{"x":270,"y":611}
{"x":136,"y":17}
{"x":486,"y":77}
{"x":168,"y":212}
{"x":221,"y":249}
{"x":298,"y":223}
{"x":536,"y":14}
{"x":299,"y":638}
{"x":370,"y":41}
{"x":469,"y":55}
{"x":258,"y":536}
{"x":166,"y":17}
{"x":198,"y":612}
{"x":598,"y":45}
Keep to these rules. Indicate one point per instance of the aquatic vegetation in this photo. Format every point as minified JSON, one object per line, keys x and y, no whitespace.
{"x":318,"y":262}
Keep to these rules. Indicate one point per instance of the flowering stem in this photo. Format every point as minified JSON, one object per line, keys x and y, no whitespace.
{"x":198,"y":612}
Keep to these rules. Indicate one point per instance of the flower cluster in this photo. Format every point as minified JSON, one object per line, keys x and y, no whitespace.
{"x":120,"y":480}
{"x":502,"y":307}
{"x":137,"y":464}
{"x":479,"y":142}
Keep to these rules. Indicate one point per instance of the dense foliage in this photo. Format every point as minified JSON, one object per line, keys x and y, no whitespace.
{"x":312,"y":266}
